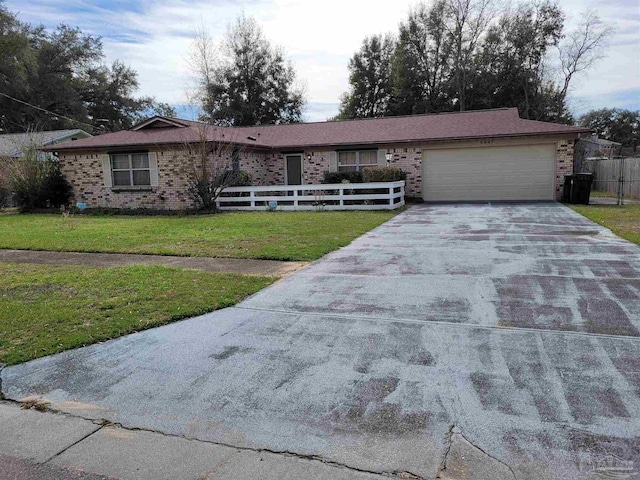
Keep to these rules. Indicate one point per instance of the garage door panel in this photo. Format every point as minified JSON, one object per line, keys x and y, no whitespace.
{"x":491,"y":173}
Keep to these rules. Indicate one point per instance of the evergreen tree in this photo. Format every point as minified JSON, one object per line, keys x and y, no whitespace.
{"x":370,"y":80}
{"x":253,"y":84}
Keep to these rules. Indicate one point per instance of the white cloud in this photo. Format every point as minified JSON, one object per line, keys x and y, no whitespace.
{"x":319,"y":37}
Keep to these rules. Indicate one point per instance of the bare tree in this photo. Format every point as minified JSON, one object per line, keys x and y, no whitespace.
{"x":582,"y":48}
{"x":209,"y":168}
{"x":466,"y":21}
{"x":202,"y":61}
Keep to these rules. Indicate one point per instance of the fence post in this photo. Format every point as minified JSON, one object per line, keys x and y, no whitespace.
{"x":391,"y":189}
{"x":620,"y":180}
{"x":252,"y":196}
{"x":295,"y":198}
{"x":341,"y":193}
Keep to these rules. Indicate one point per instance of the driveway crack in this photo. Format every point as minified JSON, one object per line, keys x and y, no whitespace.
{"x":455,"y":434}
{"x":443,"y":463}
{"x":100,"y":427}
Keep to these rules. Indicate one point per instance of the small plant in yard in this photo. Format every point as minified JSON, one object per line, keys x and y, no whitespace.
{"x":319,"y":200}
{"x":70,"y":222}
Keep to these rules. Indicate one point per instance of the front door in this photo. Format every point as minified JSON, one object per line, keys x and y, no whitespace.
{"x":294,"y":169}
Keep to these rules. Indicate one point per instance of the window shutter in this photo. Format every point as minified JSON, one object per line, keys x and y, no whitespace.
{"x":333,"y":161}
{"x":382,"y":157}
{"x":153,"y":169}
{"x":106,"y":170}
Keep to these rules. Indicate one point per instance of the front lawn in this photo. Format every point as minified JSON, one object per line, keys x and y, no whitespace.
{"x":45,"y":309}
{"x":301,"y":236}
{"x":621,"y":220}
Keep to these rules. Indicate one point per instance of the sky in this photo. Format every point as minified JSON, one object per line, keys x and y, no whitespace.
{"x":319,"y":37}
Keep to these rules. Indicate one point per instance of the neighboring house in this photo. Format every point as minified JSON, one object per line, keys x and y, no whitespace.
{"x":12,"y":145}
{"x":599,"y":147}
{"x":476,"y":155}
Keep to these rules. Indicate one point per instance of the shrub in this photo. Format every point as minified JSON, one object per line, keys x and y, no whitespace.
{"x":206,"y":192}
{"x":231,"y":178}
{"x":39,"y":184}
{"x":340,"y":177}
{"x":383,"y":174}
{"x":5,"y":197}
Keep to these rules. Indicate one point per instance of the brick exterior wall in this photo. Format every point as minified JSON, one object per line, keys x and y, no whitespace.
{"x":84,"y":172}
{"x":564,"y":164}
{"x":275,"y":169}
{"x":314,"y":169}
{"x":409,"y":160}
{"x":252,"y":162}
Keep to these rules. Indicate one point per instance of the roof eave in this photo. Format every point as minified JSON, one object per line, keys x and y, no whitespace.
{"x":73,"y":132}
{"x":52,"y":148}
{"x":574,"y":133}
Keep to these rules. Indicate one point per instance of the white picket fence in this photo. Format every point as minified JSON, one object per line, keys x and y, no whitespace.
{"x":338,"y":196}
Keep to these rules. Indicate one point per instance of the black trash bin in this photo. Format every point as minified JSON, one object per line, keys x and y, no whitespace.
{"x":566,"y":188}
{"x":581,"y":188}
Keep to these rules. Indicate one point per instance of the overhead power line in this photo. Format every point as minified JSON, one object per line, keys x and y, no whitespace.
{"x":45,"y":110}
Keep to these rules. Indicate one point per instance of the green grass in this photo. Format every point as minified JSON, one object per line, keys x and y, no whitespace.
{"x":621,"y":220}
{"x":299,"y":236}
{"x":45,"y":309}
{"x":596,"y":193}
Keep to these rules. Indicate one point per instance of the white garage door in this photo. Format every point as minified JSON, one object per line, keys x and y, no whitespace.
{"x":489,"y":173}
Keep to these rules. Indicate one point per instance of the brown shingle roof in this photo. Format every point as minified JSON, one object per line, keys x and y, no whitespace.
{"x":503,"y":122}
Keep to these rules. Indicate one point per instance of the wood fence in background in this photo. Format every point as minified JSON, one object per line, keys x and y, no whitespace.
{"x":617,"y":175}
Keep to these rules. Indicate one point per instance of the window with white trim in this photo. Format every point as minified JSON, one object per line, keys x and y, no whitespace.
{"x":356,"y":160}
{"x":130,"y":169}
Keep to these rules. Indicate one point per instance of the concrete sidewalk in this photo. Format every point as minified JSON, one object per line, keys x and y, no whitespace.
{"x":243,"y":266}
{"x":46,"y":445}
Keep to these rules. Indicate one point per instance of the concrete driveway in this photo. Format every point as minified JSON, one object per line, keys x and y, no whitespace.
{"x":458,"y":341}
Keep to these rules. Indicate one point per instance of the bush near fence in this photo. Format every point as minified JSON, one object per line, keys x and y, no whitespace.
{"x":342,"y":177}
{"x":383,"y":174}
